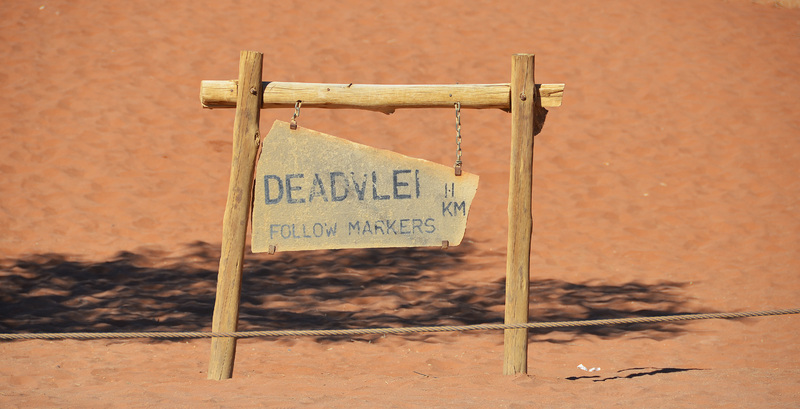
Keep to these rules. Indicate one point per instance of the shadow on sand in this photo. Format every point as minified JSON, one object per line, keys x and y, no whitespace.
{"x":634,"y":373}
{"x":152,"y":291}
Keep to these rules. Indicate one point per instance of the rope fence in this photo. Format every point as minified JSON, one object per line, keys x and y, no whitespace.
{"x":401,"y":330}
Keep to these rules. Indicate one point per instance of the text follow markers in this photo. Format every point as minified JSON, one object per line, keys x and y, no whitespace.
{"x":316,"y":191}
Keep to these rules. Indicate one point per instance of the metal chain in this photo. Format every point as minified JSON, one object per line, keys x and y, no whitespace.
{"x":293,"y":123}
{"x":457,"y":166}
{"x":401,"y":330}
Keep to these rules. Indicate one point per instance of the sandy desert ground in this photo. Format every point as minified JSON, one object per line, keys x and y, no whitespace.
{"x":666,"y":183}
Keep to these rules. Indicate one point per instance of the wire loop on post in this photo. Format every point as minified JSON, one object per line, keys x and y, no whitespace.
{"x":293,"y":123}
{"x":458,"y":163}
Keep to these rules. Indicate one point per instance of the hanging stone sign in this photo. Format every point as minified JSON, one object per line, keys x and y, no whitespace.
{"x":316,"y":191}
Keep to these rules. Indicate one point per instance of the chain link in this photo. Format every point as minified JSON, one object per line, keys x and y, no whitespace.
{"x":458,"y":164}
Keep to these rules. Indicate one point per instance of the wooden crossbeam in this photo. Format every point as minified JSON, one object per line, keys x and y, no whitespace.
{"x":382,"y":98}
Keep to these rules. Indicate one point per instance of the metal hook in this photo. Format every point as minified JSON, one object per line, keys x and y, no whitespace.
{"x":293,"y":123}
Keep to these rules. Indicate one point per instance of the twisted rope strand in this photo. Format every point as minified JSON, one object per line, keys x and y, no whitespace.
{"x":406,"y":330}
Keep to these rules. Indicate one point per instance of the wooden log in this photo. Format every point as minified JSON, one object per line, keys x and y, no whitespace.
{"x":234,"y":228}
{"x":524,"y":125}
{"x":383,"y":98}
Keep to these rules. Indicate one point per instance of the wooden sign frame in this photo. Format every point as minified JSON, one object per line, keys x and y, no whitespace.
{"x":522,"y":97}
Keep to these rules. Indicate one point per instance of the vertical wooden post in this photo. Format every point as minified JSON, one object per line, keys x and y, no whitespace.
{"x":234,"y":225}
{"x":520,"y":219}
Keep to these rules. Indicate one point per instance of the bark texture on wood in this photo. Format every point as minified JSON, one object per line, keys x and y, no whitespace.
{"x":237,"y":211}
{"x":524,"y":125}
{"x":382,"y":98}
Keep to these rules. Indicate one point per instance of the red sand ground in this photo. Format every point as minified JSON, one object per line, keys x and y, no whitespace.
{"x":666,"y":183}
